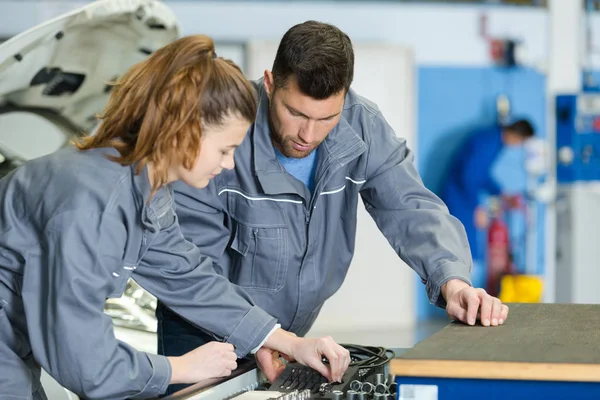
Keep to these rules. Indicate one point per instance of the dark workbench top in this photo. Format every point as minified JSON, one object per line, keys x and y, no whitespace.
{"x":536,"y":341}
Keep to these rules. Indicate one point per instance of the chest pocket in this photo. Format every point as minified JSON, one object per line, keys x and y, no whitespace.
{"x":259,"y":257}
{"x":259,"y":244}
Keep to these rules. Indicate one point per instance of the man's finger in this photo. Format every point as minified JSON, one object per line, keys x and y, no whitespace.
{"x":458,"y":313}
{"x":266,"y":364}
{"x":278,"y":365}
{"x":275,"y":356}
{"x":335,"y":366}
{"x":485,"y":307}
{"x":317,"y":364}
{"x":279,"y":371}
{"x":339,"y":367}
{"x":496,"y":310}
{"x":473,"y":302}
{"x":344,"y":356}
{"x":503,"y":314}
{"x":269,"y":371}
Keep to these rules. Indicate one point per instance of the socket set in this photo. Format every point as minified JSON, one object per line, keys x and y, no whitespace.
{"x":299,"y":382}
{"x":380,"y":390}
{"x":358,"y":390}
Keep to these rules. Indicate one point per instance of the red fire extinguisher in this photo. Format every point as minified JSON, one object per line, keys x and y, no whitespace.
{"x":498,"y":244}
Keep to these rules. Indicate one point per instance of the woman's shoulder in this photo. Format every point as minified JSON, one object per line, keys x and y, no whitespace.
{"x":74,"y":179}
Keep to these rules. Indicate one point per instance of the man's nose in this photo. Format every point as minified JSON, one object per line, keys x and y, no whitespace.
{"x":308,"y":132}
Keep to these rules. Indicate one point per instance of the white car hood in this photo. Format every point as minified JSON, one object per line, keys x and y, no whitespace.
{"x":63,"y":66}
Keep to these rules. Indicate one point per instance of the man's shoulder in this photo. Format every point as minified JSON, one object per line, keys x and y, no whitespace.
{"x":364,"y":117}
{"x":355,"y":103}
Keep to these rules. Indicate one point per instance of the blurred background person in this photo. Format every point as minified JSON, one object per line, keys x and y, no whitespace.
{"x":470,"y":176}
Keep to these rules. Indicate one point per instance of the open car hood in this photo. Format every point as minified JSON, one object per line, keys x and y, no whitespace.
{"x":63,"y":66}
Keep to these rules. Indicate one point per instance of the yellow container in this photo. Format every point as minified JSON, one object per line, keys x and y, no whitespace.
{"x":521,"y":289}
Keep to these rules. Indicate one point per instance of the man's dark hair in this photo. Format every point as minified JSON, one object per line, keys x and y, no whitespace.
{"x":319,"y":56}
{"x":522,"y":128}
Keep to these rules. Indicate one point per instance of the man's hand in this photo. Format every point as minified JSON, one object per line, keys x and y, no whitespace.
{"x":465,"y":303}
{"x":310,"y":352}
{"x":269,"y":362}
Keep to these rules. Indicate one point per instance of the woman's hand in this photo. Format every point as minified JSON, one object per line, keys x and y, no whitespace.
{"x":212,"y":360}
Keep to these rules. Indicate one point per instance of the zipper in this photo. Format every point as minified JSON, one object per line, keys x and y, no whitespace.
{"x":320,"y":182}
{"x":255,"y":237}
{"x":343,"y":159}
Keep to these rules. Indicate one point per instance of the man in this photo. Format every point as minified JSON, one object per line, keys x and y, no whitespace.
{"x":282,"y":224}
{"x":470,"y":175}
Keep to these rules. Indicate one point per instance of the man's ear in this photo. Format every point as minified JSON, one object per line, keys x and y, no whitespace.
{"x":268,"y":82}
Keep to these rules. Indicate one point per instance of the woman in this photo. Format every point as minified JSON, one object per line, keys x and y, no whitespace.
{"x":76,"y":224}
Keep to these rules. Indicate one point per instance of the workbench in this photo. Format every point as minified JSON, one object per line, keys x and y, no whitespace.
{"x":543,"y":351}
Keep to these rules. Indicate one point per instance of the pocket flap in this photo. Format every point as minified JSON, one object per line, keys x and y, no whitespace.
{"x":241,"y":239}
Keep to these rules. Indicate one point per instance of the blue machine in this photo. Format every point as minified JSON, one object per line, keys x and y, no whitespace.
{"x":578,"y":187}
{"x":578,"y":137}
{"x":410,"y":388}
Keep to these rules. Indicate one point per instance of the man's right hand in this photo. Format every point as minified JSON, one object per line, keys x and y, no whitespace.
{"x":310,"y":352}
{"x":270,"y":363}
{"x":212,"y":360}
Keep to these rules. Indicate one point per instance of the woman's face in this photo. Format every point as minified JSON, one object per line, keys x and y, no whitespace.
{"x":216,"y":151}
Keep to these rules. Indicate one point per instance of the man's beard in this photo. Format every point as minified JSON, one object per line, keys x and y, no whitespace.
{"x":286,"y":148}
{"x":284,"y":144}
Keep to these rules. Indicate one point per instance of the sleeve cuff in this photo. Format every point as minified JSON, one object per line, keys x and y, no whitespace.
{"x":254,"y":350}
{"x":160,"y":379}
{"x":255,"y":327}
{"x":443,"y":274}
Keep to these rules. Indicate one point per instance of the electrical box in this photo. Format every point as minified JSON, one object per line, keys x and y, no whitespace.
{"x":578,"y":137}
{"x":577,"y":216}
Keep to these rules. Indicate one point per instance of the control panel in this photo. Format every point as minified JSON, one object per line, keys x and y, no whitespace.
{"x":578,"y":137}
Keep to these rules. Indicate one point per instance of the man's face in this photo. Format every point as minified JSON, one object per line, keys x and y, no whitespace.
{"x":298,"y":122}
{"x":512,"y":139}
